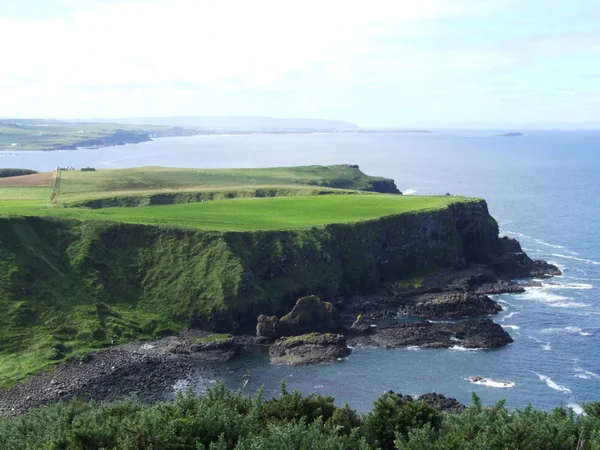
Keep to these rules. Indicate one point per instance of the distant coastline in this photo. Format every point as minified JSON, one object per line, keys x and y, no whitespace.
{"x":510,"y":134}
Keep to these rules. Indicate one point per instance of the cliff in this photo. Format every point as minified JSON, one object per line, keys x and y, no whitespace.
{"x":67,"y":286}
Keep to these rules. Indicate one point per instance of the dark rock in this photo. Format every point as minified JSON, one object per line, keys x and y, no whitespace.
{"x":310,"y":348}
{"x":445,"y":404}
{"x":471,"y":333}
{"x":310,"y":314}
{"x":499,"y":287}
{"x":452,"y":306}
{"x":543,"y":269}
{"x":510,"y":260}
{"x":361,"y":325}
{"x":267,"y":326}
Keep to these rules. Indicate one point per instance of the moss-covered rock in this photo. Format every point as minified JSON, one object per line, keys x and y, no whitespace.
{"x":310,"y":314}
{"x":313,"y":348}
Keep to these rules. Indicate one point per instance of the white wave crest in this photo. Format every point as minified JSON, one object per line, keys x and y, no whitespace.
{"x":587,"y":261}
{"x":577,"y":409}
{"x":545,"y":345}
{"x":512,"y":327}
{"x":552,"y":300}
{"x":587,"y":374}
{"x":541,"y":242}
{"x":570,"y":330}
{"x":506,"y":303}
{"x":490,"y":382}
{"x":463,"y":349}
{"x":573,"y":286}
{"x":409,"y":192}
{"x":511,"y":314}
{"x":551,"y":384}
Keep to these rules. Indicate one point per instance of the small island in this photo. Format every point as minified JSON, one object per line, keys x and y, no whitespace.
{"x":510,"y":134}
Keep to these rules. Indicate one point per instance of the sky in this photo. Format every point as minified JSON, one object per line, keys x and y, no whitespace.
{"x":378,"y":63}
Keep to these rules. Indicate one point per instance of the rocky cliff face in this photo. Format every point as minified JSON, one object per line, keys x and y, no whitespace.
{"x":113,"y":281}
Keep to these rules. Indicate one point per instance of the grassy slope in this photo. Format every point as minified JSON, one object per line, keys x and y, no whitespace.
{"x":84,"y":185}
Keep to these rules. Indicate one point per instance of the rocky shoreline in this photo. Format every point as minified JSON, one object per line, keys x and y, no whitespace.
{"x":458,"y":296}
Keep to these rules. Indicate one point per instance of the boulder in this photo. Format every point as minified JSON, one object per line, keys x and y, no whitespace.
{"x":267,"y":326}
{"x":313,"y":348}
{"x":310,"y":314}
{"x":452,"y":306}
{"x":361,"y":325}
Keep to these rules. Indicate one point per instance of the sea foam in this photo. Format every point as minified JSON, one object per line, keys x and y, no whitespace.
{"x":551,"y":384}
{"x":490,"y":382}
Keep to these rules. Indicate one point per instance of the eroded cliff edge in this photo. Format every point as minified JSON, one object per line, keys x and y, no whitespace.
{"x":67,"y":286}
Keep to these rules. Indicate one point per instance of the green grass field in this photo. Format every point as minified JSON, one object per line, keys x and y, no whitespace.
{"x":306,"y":210}
{"x":254,"y":213}
{"x":76,"y":186}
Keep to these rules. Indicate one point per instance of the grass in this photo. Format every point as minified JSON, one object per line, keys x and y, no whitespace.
{"x":213,"y":338}
{"x":77,"y":186}
{"x":254,"y":213}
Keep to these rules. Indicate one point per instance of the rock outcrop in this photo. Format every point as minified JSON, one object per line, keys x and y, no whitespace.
{"x":310,"y":314}
{"x":446,"y":404}
{"x":313,"y":348}
{"x":471,"y":333}
{"x":452,"y":306}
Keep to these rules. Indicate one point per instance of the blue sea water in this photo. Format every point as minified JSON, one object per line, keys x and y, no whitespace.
{"x":543,"y":188}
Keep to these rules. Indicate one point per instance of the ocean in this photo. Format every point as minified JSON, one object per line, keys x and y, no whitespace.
{"x":543,"y":188}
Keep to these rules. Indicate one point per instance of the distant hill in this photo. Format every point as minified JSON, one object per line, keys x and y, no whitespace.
{"x":240,"y":123}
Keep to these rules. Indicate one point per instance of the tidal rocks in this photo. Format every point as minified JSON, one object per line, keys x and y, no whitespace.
{"x":443,"y":403}
{"x":310,"y":314}
{"x":313,"y":348}
{"x":510,"y":260}
{"x":446,"y":404}
{"x":361,"y":325}
{"x":453,"y":306}
{"x":471,"y":333}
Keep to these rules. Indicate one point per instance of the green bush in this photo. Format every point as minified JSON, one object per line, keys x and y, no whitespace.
{"x":229,"y":420}
{"x":392,"y":415}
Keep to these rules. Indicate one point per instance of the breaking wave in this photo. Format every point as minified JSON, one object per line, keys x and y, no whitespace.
{"x":587,"y":261}
{"x":577,"y":409}
{"x":551,"y":384}
{"x":490,"y":382}
{"x":570,"y":330}
{"x":552,"y":300}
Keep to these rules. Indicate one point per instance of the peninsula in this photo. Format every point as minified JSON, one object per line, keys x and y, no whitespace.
{"x":95,"y":259}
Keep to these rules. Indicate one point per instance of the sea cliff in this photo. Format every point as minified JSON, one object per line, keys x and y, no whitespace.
{"x":68,"y":286}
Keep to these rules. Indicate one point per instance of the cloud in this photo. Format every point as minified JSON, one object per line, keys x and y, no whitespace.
{"x":353,"y":60}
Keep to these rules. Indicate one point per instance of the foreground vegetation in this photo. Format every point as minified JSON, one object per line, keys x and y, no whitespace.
{"x":223,"y":420}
